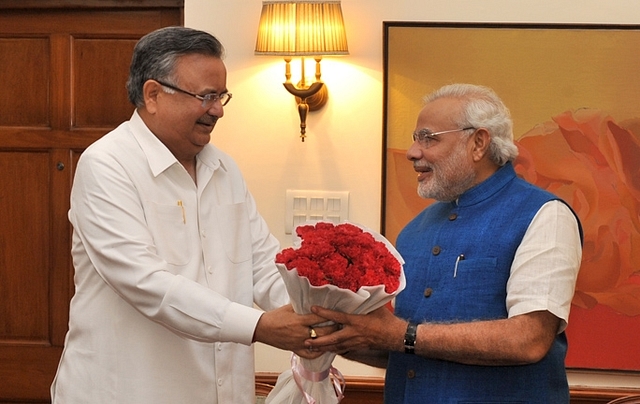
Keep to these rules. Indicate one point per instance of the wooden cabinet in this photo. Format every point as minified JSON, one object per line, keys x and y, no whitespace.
{"x":63,"y":68}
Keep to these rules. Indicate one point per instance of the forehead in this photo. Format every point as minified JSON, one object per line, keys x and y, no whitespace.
{"x":439,"y":114}
{"x":198,"y":69}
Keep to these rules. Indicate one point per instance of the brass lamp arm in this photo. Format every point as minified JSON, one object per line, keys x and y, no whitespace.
{"x":309,"y":97}
{"x":303,"y":92}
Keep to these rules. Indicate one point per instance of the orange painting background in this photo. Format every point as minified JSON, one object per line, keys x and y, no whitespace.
{"x":582,"y":154}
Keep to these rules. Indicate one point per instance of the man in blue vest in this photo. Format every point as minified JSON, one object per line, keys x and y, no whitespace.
{"x":491,"y":268}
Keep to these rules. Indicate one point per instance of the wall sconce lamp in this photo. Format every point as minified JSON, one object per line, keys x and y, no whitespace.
{"x":302,"y":28}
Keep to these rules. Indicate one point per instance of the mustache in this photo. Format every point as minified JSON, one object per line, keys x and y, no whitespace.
{"x":417,"y":165}
{"x":208,"y":120}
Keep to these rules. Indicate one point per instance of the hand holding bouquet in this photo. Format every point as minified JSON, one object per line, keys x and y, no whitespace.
{"x":341,"y":267}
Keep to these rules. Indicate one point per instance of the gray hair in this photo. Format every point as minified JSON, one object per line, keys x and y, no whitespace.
{"x":156,"y":54}
{"x":483,"y":108}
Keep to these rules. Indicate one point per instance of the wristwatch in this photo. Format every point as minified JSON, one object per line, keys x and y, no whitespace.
{"x":410,"y":338}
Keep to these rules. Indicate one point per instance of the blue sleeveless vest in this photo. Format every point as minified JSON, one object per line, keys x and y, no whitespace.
{"x":486,"y":225}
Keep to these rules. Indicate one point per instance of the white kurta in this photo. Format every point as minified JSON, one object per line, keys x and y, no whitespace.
{"x":166,"y":275}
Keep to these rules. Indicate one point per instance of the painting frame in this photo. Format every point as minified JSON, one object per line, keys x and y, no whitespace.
{"x":417,"y":60}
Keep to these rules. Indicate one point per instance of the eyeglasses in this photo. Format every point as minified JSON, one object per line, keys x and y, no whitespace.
{"x":207,"y":99}
{"x":425,"y":137}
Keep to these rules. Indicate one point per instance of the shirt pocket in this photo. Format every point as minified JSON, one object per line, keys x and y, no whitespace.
{"x":235,"y":231}
{"x":169,"y":232}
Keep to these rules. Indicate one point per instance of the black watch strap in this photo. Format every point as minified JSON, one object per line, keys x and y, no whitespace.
{"x":410,"y":338}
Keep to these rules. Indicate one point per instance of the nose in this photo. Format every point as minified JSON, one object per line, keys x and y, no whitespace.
{"x":414,"y":152}
{"x":216,"y":109}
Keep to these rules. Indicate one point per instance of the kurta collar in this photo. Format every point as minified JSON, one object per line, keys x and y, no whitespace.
{"x":159,"y":156}
{"x":488,"y":187}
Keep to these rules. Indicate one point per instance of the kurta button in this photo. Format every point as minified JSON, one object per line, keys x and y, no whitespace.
{"x":411,"y":374}
{"x":428,"y":292}
{"x":453,"y":216}
{"x":219,"y":382}
{"x":435,"y":250}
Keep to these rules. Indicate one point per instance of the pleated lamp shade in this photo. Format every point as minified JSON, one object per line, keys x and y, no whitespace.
{"x":301,"y":28}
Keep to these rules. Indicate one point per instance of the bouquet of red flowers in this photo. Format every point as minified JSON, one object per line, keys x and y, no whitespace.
{"x":342,"y":267}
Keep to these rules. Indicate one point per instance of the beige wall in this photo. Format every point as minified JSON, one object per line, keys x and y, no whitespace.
{"x":344,"y":144}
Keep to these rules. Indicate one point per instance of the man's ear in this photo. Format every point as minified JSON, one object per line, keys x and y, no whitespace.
{"x":150,"y":91}
{"x":481,"y":141}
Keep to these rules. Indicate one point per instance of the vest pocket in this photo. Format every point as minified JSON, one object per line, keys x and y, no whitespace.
{"x":480,"y":289}
{"x":475,"y":270}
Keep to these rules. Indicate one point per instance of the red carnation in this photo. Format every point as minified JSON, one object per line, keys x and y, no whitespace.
{"x":342,"y":255}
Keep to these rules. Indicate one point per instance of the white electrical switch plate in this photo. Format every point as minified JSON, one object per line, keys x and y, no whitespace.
{"x":305,"y":205}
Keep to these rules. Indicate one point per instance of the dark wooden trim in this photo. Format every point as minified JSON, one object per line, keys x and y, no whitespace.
{"x":586,"y":395}
{"x":89,"y":4}
{"x":505,"y":25}
{"x":369,"y":390}
{"x":359,"y":390}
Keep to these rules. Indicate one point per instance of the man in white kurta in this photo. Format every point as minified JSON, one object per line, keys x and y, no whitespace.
{"x":170,"y":253}
{"x":143,"y":233}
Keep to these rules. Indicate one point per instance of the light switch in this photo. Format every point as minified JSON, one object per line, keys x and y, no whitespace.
{"x":310,"y":205}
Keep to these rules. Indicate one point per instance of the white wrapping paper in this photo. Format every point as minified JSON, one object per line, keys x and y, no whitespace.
{"x":312,"y":381}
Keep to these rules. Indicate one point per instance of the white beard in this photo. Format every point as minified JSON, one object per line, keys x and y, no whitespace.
{"x":451,"y":176}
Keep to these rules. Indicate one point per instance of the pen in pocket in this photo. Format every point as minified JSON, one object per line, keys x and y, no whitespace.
{"x":455,"y":269}
{"x":184,"y":215}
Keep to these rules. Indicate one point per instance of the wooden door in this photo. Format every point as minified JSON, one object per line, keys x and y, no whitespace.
{"x":62,"y":85}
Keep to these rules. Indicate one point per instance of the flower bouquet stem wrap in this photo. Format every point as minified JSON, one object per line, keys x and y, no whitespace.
{"x":342,"y":267}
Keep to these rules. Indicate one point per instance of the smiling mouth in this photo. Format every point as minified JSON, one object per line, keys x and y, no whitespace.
{"x":422,"y":171}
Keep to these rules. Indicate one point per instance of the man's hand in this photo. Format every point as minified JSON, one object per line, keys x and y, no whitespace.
{"x":378,"y":330}
{"x":284,"y":329}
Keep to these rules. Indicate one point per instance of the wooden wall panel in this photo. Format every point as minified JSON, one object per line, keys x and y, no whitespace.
{"x":25,"y":98}
{"x":24,"y":248}
{"x":99,"y":75}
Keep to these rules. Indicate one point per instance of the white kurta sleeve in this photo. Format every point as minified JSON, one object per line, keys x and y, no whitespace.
{"x":546,"y":264}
